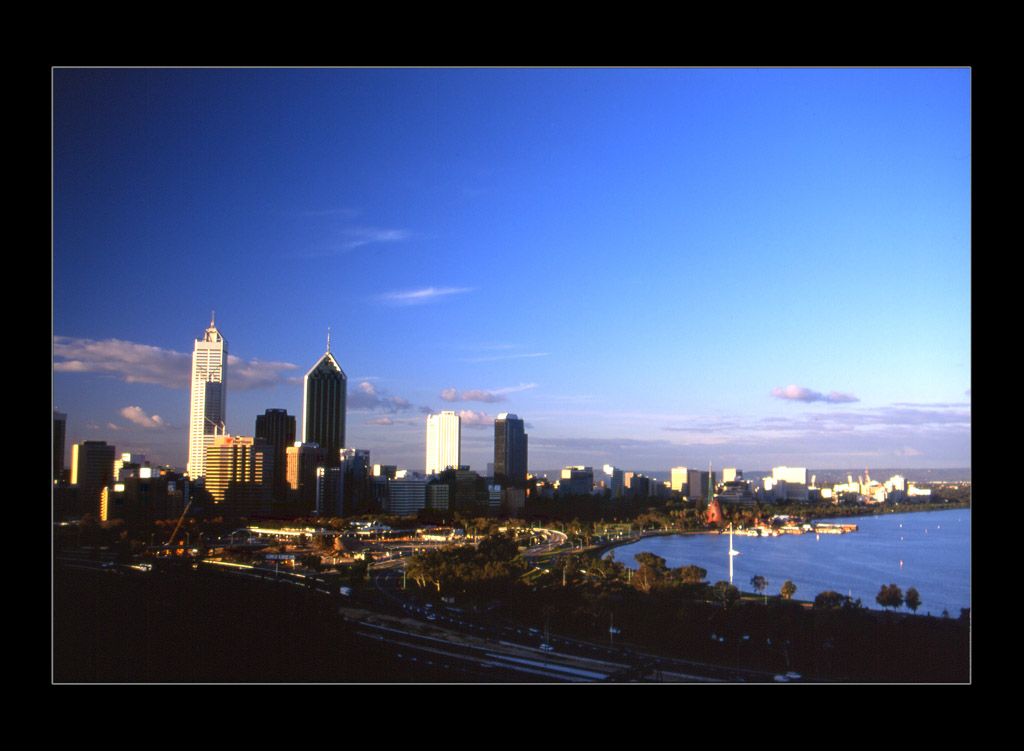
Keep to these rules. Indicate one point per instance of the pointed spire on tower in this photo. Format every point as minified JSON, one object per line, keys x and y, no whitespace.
{"x":328,"y":338}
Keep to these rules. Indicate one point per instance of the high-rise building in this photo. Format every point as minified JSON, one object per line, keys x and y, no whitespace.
{"x":323,"y":406}
{"x":303,"y":460}
{"x":407,"y":493}
{"x":357,"y":486}
{"x":209,"y":397}
{"x":60,"y":423}
{"x":510,"y":450}
{"x":444,"y":442}
{"x":239,"y":471}
{"x":578,"y":480}
{"x":276,"y":428}
{"x":92,"y":469}
{"x":616,"y":481}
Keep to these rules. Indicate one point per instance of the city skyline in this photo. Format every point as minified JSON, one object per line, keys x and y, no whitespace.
{"x":653,"y":267}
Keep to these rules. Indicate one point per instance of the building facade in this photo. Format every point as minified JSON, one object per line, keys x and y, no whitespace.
{"x":92,"y":469}
{"x":323,"y":404}
{"x":209,"y":397}
{"x":303,"y":460}
{"x":276,"y":428}
{"x":444,"y":442}
{"x":60,"y":423}
{"x":510,"y":450}
{"x":238,"y":472}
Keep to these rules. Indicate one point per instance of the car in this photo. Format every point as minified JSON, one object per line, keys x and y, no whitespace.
{"x":547,"y":647}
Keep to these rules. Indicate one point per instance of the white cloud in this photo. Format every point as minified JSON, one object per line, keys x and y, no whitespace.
{"x":421,"y":296}
{"x":802,"y":394}
{"x":139,"y":417}
{"x":471,"y":419}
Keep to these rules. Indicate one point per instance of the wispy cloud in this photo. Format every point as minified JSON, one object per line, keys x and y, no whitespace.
{"x":488,"y":358}
{"x":480,"y":395}
{"x":470,"y":395}
{"x":421,"y":296}
{"x":366,"y":396}
{"x":802,"y":394}
{"x":355,"y":237}
{"x":141,"y":363}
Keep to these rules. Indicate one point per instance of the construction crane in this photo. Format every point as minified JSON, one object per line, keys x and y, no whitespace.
{"x":182,"y":519}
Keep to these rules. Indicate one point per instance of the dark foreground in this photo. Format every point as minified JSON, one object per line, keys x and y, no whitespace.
{"x":177,"y":624}
{"x":196,"y":626}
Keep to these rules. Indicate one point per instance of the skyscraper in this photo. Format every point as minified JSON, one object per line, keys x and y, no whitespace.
{"x":239,"y":471}
{"x":92,"y":469}
{"x":323,"y":406}
{"x":209,"y":397}
{"x":444,"y":442}
{"x":277,"y":428}
{"x":510,"y":450}
{"x":60,"y":423}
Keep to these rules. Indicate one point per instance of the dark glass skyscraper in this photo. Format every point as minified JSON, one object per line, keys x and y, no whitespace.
{"x":323,"y":406}
{"x":510,"y":450}
{"x":277,"y":428}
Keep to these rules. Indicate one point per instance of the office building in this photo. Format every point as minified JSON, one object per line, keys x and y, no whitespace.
{"x":92,"y":469}
{"x":577,"y":480}
{"x":238,"y":473}
{"x":357,"y":485}
{"x":60,"y":424}
{"x":323,"y":405}
{"x":616,"y":481}
{"x":406,"y":494}
{"x":330,"y":487}
{"x":302,"y":461}
{"x":131,"y":465}
{"x":438,"y":495}
{"x":209,"y":397}
{"x":510,"y":450}
{"x":513,"y":501}
{"x":276,"y":428}
{"x":681,"y":479}
{"x":444,"y":441}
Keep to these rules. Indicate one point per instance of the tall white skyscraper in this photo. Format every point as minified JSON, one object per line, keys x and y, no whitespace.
{"x":444,"y":441}
{"x":209,"y":397}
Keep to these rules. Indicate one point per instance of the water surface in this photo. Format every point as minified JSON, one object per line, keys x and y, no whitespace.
{"x":927,"y":550}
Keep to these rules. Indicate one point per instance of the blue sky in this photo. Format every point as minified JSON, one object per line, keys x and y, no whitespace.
{"x":652,"y":267}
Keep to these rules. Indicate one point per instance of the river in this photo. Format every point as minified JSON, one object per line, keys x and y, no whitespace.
{"x":927,"y":550}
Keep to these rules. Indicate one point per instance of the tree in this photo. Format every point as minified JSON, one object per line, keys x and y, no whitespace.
{"x":652,"y":570}
{"x":889,"y":596}
{"x":788,"y":589}
{"x":912,"y":599}
{"x":760,"y":585}
{"x":726,"y":593}
{"x":690,"y":574}
{"x":829,"y":600}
